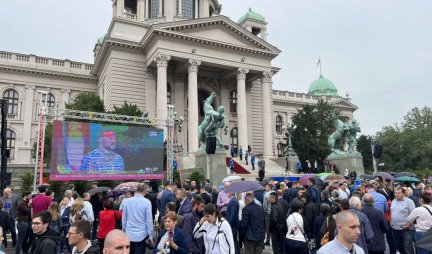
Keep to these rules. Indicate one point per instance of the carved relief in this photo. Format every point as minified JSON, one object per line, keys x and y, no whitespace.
{"x":162,"y":60}
{"x":241,"y":73}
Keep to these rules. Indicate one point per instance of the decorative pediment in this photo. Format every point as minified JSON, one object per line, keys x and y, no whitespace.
{"x":218,"y":31}
{"x":345,"y":104}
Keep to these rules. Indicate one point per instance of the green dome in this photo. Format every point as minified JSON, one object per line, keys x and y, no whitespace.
{"x":323,"y":87}
{"x":251,"y":15}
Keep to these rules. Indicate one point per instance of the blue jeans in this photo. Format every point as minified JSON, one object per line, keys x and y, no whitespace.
{"x":138,"y":247}
{"x":23,"y":234}
{"x":418,"y":235}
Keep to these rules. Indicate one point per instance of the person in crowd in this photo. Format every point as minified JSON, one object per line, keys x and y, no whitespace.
{"x":291,"y":193}
{"x":409,"y":194}
{"x":277,"y":224}
{"x":23,"y":218}
{"x":421,"y":218}
{"x":378,"y":223}
{"x":42,"y":201}
{"x":170,"y":208}
{"x":253,"y":161}
{"x":184,"y":202}
{"x":56,"y":220}
{"x":137,"y":221}
{"x":282,"y":202}
{"x":116,"y":242}
{"x":1,"y":239}
{"x":241,"y":153}
{"x":310,"y":210}
{"x":88,"y":207}
{"x":325,"y":197}
{"x":205,"y":194}
{"x":247,"y":157}
{"x":69,"y":195}
{"x":223,"y":199}
{"x":231,"y":165}
{"x":5,"y":223}
{"x":335,"y":196}
{"x":171,"y":238}
{"x":65,"y":214}
{"x":79,"y":236}
{"x":214,"y":195}
{"x":348,"y":227}
{"x":215,"y":231}
{"x":295,"y":239}
{"x":366,"y":232}
{"x":10,"y":203}
{"x":97,"y":206}
{"x":402,"y":231}
{"x":319,"y":222}
{"x":46,"y":241}
{"x":267,"y":209}
{"x":108,"y":220}
{"x":252,"y":226}
{"x":232,"y":217}
{"x":190,"y":219}
{"x":77,"y":211}
{"x":314,"y":191}
{"x":151,"y":195}
{"x":166,"y":197}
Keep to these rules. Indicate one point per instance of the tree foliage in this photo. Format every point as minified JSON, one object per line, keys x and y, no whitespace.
{"x":87,"y":102}
{"x":312,"y":127}
{"x":364,"y":143}
{"x":127,"y":109}
{"x":408,"y":145}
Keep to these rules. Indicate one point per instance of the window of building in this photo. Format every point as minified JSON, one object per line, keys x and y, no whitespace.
{"x":279,"y":124}
{"x":234,"y":137}
{"x":50,"y":100}
{"x":233,"y":101}
{"x":168,"y":94}
{"x":11,"y":96}
{"x":188,"y":8}
{"x":280,"y":149}
{"x":154,"y":8}
{"x":10,"y":142}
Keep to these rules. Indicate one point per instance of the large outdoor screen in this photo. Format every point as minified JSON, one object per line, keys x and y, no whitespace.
{"x":95,"y":151}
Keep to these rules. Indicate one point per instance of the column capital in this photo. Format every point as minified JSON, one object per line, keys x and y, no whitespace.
{"x":267,"y":77}
{"x":65,"y":90}
{"x":30,"y":87}
{"x":162,"y":60}
{"x":241,"y":73}
{"x":193,"y":65}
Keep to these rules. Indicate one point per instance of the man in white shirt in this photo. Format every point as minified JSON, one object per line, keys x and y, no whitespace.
{"x":88,"y":207}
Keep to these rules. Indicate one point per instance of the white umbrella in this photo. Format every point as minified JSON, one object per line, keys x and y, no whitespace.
{"x":231,"y":179}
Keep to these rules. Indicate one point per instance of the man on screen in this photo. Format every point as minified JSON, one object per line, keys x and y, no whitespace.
{"x":103,"y":158}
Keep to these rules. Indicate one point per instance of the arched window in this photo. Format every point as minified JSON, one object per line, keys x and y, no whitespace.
{"x":168,"y":94}
{"x":50,"y":100}
{"x":279,"y":124}
{"x":280,"y":149}
{"x":11,"y":96}
{"x":188,"y":8}
{"x":10,"y":142}
{"x":154,"y":8}
{"x":233,"y":101}
{"x":234,"y":137}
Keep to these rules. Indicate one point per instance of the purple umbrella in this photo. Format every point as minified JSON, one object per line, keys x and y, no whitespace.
{"x":384,"y":175}
{"x":305,"y":179}
{"x":243,"y":186}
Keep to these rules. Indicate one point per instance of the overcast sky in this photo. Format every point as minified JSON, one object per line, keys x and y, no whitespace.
{"x":380,"y":52}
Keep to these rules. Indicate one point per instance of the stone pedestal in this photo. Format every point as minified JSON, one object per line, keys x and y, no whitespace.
{"x":213,"y":165}
{"x":350,"y":162}
{"x":292,"y":163}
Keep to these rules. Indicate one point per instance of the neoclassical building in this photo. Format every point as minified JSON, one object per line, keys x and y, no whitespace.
{"x":160,"y":52}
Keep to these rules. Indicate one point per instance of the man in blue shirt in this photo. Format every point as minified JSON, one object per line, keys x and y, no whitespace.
{"x":380,"y":200}
{"x":137,"y":220}
{"x":232,"y":216}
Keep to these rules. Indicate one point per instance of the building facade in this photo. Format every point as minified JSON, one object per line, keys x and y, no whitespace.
{"x":160,"y":52}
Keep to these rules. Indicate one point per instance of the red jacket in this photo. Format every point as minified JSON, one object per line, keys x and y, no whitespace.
{"x":107,"y":222}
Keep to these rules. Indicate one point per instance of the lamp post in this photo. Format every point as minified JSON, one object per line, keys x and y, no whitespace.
{"x":290,"y":153}
{"x":4,"y":152}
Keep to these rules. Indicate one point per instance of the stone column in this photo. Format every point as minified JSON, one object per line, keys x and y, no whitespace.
{"x":242,"y":112}
{"x":65,"y":97}
{"x":120,"y":8}
{"x":161,"y":87}
{"x":140,"y":10}
{"x":28,"y":113}
{"x":180,"y":8}
{"x":193,"y":106}
{"x":147,"y":10}
{"x":266,"y":84}
{"x":161,"y":2}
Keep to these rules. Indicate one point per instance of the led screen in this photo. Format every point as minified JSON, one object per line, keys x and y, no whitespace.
{"x":95,"y":151}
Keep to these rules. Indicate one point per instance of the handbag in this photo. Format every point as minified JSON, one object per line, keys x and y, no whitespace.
{"x":310,"y":242}
{"x":326,"y":237}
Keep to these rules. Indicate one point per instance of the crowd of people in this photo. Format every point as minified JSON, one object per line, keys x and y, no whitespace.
{"x":375,"y":216}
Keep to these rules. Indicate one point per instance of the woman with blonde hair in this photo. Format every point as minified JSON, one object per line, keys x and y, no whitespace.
{"x":65,"y":213}
{"x":77,"y":211}
{"x":56,"y":222}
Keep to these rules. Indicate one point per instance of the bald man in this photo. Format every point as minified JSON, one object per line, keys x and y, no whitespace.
{"x":348,"y":226}
{"x":116,"y":242}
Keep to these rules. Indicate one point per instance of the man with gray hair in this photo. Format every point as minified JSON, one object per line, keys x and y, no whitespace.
{"x":366,"y":232}
{"x":137,"y":220}
{"x":348,"y":227}
{"x":378,"y":223}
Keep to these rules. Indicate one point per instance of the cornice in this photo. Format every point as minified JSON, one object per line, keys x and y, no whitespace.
{"x":299,"y":103}
{"x":47,"y":73}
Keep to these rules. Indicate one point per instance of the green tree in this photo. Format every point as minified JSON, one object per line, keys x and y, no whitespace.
{"x":364,"y":143}
{"x":197,"y":177}
{"x":312,"y":127}
{"x":27,"y":181}
{"x":127,"y":109}
{"x":87,"y":102}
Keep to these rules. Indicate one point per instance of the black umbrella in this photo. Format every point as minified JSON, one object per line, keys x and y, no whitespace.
{"x":98,"y":190}
{"x":405,"y":174}
{"x":384,"y":175}
{"x":425,"y":242}
{"x":366,"y":177}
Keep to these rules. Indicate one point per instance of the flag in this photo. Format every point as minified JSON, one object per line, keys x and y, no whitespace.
{"x":319,"y":62}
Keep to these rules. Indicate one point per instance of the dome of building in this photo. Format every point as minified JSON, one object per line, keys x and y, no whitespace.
{"x":323,"y":87}
{"x":251,"y":15}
